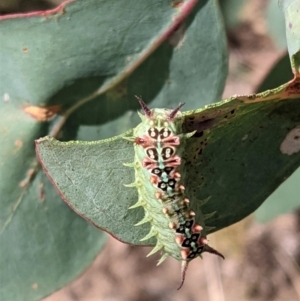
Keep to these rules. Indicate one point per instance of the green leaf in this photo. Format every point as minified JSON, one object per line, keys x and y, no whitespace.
{"x":291,"y":10}
{"x":43,"y":244}
{"x":286,"y":197}
{"x":239,"y":146}
{"x":93,"y":55}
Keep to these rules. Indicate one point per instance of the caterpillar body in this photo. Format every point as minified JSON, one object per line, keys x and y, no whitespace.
{"x":160,"y":179}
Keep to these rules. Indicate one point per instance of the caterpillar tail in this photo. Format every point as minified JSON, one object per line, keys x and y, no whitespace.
{"x":184,"y":267}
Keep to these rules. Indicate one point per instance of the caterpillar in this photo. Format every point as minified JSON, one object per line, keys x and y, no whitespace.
{"x":160,"y":178}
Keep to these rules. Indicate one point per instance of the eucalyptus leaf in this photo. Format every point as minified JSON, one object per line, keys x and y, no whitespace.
{"x":240,"y":144}
{"x":287,"y":196}
{"x":291,"y":11}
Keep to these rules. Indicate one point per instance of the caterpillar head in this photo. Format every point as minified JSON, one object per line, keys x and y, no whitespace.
{"x":159,"y":114}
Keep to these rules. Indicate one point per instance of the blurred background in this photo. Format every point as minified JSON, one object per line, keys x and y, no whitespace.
{"x":262,"y":251}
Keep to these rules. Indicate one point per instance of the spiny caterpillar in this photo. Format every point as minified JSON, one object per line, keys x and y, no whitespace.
{"x":160,"y":175}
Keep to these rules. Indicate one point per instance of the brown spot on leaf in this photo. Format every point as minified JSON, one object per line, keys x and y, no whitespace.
{"x":35,"y":286}
{"x":118,"y":92}
{"x":25,"y":50}
{"x":42,"y":114}
{"x":252,"y":96}
{"x":29,"y":176}
{"x":18,"y":143}
{"x":42,"y":192}
{"x":198,"y":134}
{"x":293,"y":87}
{"x":176,"y":4}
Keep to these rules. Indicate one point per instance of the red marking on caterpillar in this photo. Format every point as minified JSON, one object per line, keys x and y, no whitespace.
{"x":144,"y":141}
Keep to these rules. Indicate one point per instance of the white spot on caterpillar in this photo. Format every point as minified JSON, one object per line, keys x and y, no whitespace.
{"x":165,"y":133}
{"x":152,"y":132}
{"x":291,"y":143}
{"x":151,"y":154}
